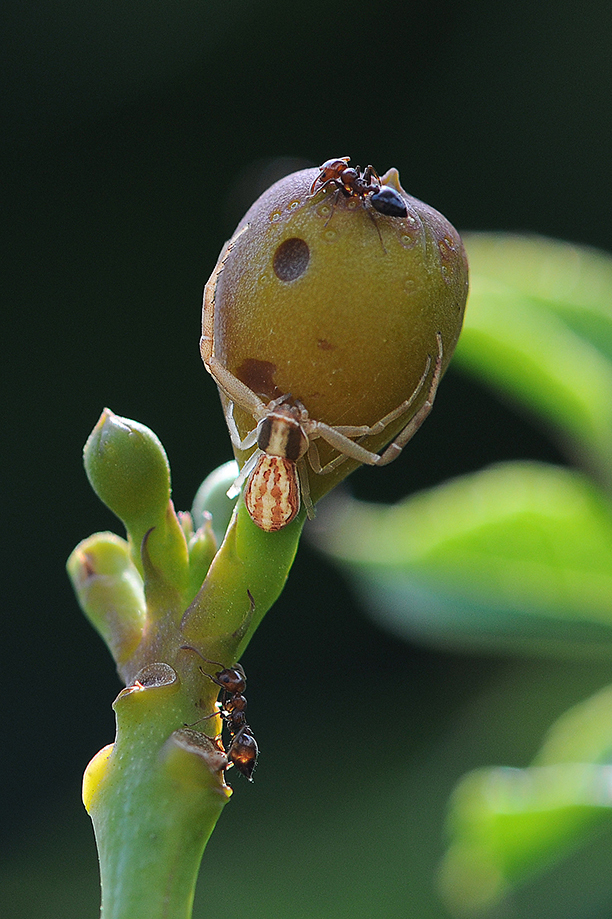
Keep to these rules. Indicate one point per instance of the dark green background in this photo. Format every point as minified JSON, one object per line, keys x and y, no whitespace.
{"x":134,"y":137}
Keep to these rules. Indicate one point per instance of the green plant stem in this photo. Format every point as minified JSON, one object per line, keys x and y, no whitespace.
{"x":155,"y":798}
{"x":155,"y":806}
{"x":246,"y":577}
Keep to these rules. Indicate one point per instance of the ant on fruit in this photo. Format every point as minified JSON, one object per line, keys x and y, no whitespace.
{"x":242,"y":751}
{"x":361,"y":184}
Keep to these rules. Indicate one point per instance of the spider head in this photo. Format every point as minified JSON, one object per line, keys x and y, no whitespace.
{"x":280,"y":433}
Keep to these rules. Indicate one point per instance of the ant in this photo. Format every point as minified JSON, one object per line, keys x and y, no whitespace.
{"x":358,"y":183}
{"x":243,"y":750}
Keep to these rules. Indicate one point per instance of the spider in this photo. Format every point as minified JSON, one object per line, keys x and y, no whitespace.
{"x":284,"y":436}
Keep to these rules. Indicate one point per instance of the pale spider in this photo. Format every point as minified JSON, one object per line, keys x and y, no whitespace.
{"x":285,"y":437}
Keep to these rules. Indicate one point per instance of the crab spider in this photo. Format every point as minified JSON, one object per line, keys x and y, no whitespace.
{"x":285,"y":434}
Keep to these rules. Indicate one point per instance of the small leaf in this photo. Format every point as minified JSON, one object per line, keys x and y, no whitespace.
{"x":538,"y":328}
{"x":518,"y":555}
{"x":574,"y":282}
{"x":582,"y":734}
{"x":508,"y":824}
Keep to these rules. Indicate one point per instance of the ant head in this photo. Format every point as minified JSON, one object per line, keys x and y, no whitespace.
{"x":232,"y":679}
{"x":349,"y":175}
{"x":330,"y":170}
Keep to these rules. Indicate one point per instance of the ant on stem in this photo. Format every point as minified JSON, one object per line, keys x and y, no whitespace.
{"x":242,"y":751}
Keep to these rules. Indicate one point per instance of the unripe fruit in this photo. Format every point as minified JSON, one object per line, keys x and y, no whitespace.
{"x":322,"y":296}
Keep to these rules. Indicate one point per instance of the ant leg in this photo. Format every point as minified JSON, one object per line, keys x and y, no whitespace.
{"x":205,"y":673}
{"x":334,"y":203}
{"x":370,"y":173}
{"x":206,"y":659}
{"x":204,"y":718}
{"x":375,"y":222}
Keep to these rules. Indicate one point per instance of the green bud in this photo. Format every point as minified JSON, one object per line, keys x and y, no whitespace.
{"x":202,"y":547}
{"x":347,"y":309}
{"x":128,"y":469}
{"x":110,"y":591}
{"x":211,"y":499}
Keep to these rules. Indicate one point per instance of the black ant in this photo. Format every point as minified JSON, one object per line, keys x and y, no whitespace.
{"x":243,"y":750}
{"x":358,"y":183}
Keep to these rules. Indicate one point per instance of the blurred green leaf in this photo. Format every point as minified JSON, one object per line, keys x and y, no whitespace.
{"x":538,"y":328}
{"x":507,"y":824}
{"x":518,"y":555}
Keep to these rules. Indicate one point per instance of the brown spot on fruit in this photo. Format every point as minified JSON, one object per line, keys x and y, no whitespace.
{"x":259,"y":376}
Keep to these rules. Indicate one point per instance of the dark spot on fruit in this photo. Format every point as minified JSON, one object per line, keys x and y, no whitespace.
{"x":324,"y":344}
{"x":259,"y":376}
{"x":291,"y":259}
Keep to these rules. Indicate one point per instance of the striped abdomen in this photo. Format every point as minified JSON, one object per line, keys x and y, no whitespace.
{"x":272,"y":494}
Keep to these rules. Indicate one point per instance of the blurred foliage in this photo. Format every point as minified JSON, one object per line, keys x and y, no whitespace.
{"x":517,"y":556}
{"x":508,"y":824}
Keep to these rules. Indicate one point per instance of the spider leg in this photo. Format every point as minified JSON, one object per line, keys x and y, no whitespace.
{"x":234,"y":490}
{"x":249,"y":441}
{"x":368,"y":430}
{"x":315,"y":461}
{"x":365,"y":430}
{"x":302,"y":472}
{"x":235,"y":390}
{"x":348,"y":448}
{"x":339,"y":438}
{"x":395,"y":448}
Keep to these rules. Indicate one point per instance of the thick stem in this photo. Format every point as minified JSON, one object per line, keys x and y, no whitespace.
{"x":154,"y":798}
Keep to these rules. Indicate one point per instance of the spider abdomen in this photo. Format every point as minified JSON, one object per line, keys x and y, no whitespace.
{"x":272,"y":494}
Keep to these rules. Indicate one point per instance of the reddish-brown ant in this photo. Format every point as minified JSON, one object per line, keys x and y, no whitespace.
{"x":362,"y":184}
{"x":242,"y":751}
